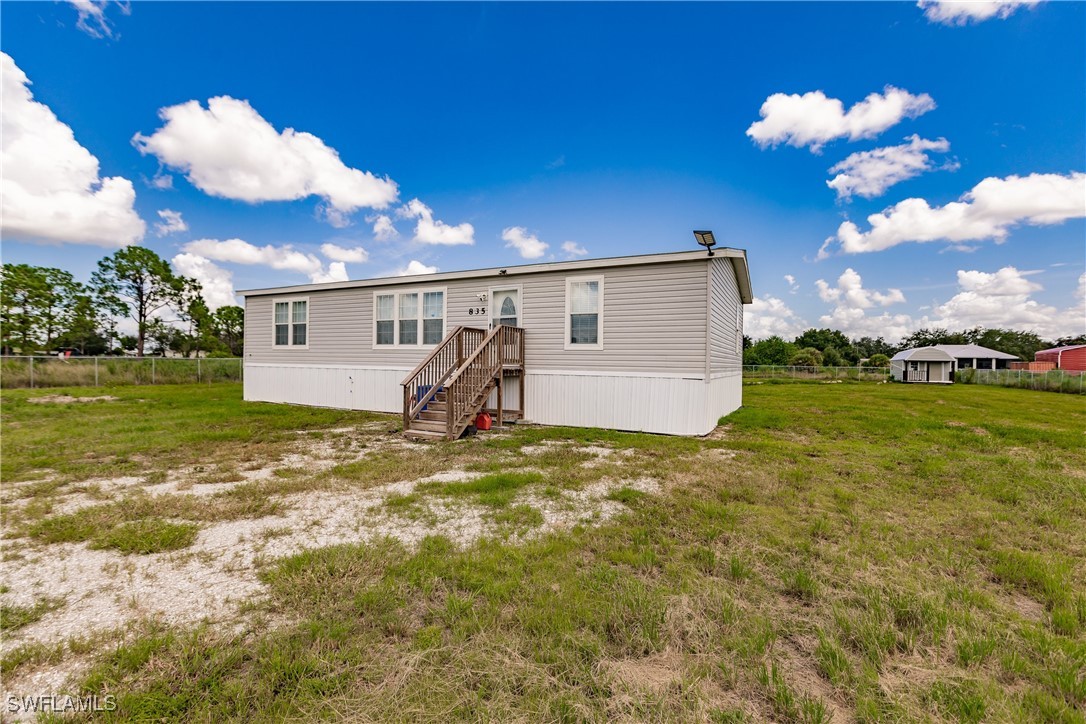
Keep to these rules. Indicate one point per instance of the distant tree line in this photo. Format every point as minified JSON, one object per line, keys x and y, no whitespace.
{"x":831,"y":348}
{"x":43,"y":309}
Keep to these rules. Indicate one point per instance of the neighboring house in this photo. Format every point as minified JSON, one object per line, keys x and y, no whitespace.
{"x":650,"y":343}
{"x":923,"y":364}
{"x":973,"y":356}
{"x":1072,"y":358}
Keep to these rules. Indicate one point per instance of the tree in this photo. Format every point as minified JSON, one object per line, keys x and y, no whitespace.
{"x":56,"y":302}
{"x":1069,"y":341}
{"x":868,"y":347}
{"x":770,"y":351}
{"x":22,"y":288}
{"x":878,"y":360}
{"x":807,"y":357}
{"x":229,"y":324}
{"x":141,"y":280}
{"x":1021,"y":344}
{"x":831,"y":357}
{"x":84,"y":327}
{"x":931,"y":337}
{"x":820,"y":339}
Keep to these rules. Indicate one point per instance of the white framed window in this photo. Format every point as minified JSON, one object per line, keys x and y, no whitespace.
{"x":290,"y":323}
{"x":409,"y":318}
{"x":584,"y":312}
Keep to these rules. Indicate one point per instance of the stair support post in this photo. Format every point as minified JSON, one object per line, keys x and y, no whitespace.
{"x":406,"y":406}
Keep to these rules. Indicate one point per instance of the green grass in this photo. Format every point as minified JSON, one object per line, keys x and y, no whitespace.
{"x":13,"y":618}
{"x":147,"y":536}
{"x":881,"y":552}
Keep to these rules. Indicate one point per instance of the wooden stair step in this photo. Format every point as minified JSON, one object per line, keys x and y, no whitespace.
{"x":428,"y":425}
{"x":424,"y":435}
{"x":432,"y":415}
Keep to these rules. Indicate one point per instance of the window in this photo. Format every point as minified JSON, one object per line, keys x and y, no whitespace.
{"x":291,"y":323}
{"x":584,"y":313}
{"x":433,"y":317}
{"x":410,"y":318}
{"x":386,"y":319}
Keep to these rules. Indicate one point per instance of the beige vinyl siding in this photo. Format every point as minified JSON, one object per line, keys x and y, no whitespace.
{"x":725,"y":340}
{"x":654,"y":321}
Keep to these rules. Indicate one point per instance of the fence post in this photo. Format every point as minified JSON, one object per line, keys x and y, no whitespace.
{"x":95,"y":371}
{"x":197,"y":368}
{"x":31,"y":373}
{"x":152,"y":370}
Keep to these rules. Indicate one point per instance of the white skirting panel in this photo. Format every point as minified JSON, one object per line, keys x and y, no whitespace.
{"x":351,"y":388}
{"x":669,"y":405}
{"x":660,"y":404}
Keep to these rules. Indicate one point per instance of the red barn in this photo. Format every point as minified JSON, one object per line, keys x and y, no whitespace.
{"x":1065,"y":358}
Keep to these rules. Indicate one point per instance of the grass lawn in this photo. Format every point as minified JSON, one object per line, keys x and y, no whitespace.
{"x":834,"y":552}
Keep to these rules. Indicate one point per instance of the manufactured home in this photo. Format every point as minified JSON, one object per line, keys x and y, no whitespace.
{"x":648,"y":343}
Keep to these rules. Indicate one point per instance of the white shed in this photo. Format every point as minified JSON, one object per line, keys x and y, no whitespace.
{"x":922,"y":364}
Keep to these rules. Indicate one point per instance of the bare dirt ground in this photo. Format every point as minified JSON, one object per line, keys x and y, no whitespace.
{"x":99,"y":593}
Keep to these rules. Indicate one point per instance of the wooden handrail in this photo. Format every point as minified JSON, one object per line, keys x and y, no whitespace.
{"x":449,"y":339}
{"x":478,"y":351}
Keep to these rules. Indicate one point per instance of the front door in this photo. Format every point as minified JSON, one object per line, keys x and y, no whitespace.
{"x":505,"y":307}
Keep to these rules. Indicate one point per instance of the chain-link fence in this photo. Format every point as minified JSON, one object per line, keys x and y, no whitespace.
{"x":1068,"y":381}
{"x":867,"y":374}
{"x":109,"y":371}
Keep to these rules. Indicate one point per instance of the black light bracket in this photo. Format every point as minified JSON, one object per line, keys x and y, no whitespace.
{"x":706,"y":239}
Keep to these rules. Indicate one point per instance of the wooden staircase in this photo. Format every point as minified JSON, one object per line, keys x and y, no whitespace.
{"x":445,"y":393}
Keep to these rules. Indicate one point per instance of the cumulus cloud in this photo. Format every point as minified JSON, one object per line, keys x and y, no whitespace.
{"x":383,"y":229}
{"x":527,"y":245}
{"x":962,"y":12}
{"x":793,"y":287}
{"x":1004,"y":299}
{"x":813,"y":119}
{"x":416,"y":267}
{"x":870,"y":173}
{"x":988,"y":211}
{"x":337,"y":272}
{"x":284,"y":257}
{"x":573,"y":249}
{"x":51,"y":191}
{"x":217,"y":283}
{"x":335,"y":252}
{"x":229,"y":150}
{"x":161,"y":181}
{"x":850,"y":304}
{"x":429,"y":230}
{"x":171,"y":223}
{"x":769,"y":316}
{"x":92,"y":17}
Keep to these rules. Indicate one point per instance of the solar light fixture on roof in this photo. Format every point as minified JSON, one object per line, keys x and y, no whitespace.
{"x":706,"y":239}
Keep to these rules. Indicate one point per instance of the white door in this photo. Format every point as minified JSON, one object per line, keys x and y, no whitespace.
{"x":505,"y":307}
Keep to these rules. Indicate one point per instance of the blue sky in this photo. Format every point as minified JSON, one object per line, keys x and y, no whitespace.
{"x":595,"y":130}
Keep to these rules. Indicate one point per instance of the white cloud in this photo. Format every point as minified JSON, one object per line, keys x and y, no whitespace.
{"x":768,"y":316}
{"x":528,"y":245}
{"x":171,"y":223}
{"x":1004,"y":299}
{"x":92,"y":17}
{"x":229,"y":150}
{"x":870,"y":173}
{"x":851,"y":302}
{"x":813,"y":119}
{"x":1080,"y":292}
{"x":962,"y":12}
{"x":793,"y":287}
{"x":434,"y":231}
{"x":988,"y":211}
{"x":383,"y":229}
{"x":283,"y":257}
{"x":850,"y":292}
{"x":217,"y":283}
{"x":337,"y":272}
{"x":573,"y":249}
{"x":161,"y":181}
{"x":355,"y":255}
{"x":51,"y":191}
{"x":416,"y":267}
